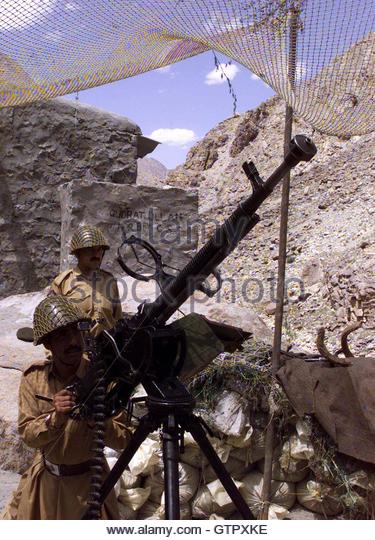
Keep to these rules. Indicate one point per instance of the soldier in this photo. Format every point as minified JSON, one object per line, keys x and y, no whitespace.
{"x":56,"y":485}
{"x":94,"y":290}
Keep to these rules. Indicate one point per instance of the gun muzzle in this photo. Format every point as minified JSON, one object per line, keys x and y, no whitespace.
{"x":302,"y":148}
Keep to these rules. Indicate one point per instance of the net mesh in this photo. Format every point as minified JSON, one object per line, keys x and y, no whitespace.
{"x":317,"y":54}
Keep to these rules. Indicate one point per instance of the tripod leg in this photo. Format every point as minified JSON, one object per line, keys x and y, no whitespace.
{"x":141,"y":433}
{"x":194,"y":426}
{"x":170,"y":458}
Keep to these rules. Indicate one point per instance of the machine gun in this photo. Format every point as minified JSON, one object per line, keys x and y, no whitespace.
{"x":143,"y":346}
{"x":144,"y":349}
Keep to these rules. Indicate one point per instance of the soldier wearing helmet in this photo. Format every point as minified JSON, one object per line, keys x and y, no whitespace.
{"x":94,"y":290}
{"x":57,"y":483}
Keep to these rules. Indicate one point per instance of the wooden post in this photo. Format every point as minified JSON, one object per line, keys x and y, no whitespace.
{"x":283,"y":237}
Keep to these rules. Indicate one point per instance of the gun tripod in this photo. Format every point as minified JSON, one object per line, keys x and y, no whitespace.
{"x":170,"y":406}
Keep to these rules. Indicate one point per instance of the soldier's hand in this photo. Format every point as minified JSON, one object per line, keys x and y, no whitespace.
{"x":63,"y":401}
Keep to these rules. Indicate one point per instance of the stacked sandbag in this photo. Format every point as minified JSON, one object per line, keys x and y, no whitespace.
{"x":304,"y":477}
{"x":323,"y":482}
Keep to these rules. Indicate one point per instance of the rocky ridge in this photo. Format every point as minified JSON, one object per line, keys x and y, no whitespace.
{"x":150,"y":172}
{"x":331,"y":247}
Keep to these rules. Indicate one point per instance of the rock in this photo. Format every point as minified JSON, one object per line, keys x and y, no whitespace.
{"x":8,"y":484}
{"x":163,"y":217}
{"x":14,"y":455}
{"x":247,"y":130}
{"x":364,"y":244}
{"x":298,"y":512}
{"x":245,"y":318}
{"x":16,"y":312}
{"x":312,"y":272}
{"x":304,"y":296}
{"x":203,"y":155}
{"x":44,"y":145}
{"x":270,"y":308}
{"x":151,"y":172}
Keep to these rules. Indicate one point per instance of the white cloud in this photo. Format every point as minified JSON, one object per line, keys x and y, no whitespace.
{"x":255,"y":77}
{"x":216,"y":75}
{"x":164,"y":69}
{"x":174,"y":136}
{"x":22,"y":13}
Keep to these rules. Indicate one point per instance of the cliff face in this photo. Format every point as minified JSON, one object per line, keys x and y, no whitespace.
{"x":331,"y":249}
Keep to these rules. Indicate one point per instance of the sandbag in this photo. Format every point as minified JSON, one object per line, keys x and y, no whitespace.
{"x":151,"y":510}
{"x":192,"y":454}
{"x":222,"y":503}
{"x":203,"y":505}
{"x":147,"y":459}
{"x":111,"y":462}
{"x":282,"y":494}
{"x":243,"y":440}
{"x":188,"y":478}
{"x":255,"y":451}
{"x":285,"y":468}
{"x":126,"y":512}
{"x":320,"y":498}
{"x":298,"y":448}
{"x":156,"y":484}
{"x":134,"y":497}
{"x":110,"y":452}
{"x":230,"y":415}
{"x":235,"y":467}
{"x":129,"y":480}
{"x":221,"y":448}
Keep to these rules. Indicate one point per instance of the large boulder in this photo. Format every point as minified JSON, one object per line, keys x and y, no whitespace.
{"x":44,"y":145}
{"x":164,"y":217}
{"x":8,"y":484}
{"x":14,"y":454}
{"x":16,"y":312}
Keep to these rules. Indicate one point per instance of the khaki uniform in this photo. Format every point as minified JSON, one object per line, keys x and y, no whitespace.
{"x":40,"y":494}
{"x":97,"y":297}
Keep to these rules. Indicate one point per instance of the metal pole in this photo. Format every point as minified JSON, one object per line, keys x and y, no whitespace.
{"x":283,"y":237}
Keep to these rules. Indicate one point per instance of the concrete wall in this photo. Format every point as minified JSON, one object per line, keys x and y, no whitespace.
{"x":164,"y":217}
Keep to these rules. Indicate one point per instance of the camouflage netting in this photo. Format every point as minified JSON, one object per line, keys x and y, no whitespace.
{"x":50,"y":48}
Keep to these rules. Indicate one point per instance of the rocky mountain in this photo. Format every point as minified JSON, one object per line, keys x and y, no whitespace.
{"x":331,"y":240}
{"x":151,"y":172}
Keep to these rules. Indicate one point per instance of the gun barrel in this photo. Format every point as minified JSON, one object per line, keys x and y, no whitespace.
{"x":225,"y":238}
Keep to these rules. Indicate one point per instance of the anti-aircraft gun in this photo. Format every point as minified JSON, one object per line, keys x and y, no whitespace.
{"x":145,"y":349}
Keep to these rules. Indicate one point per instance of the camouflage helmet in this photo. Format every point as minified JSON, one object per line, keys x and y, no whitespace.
{"x":87,"y":236}
{"x":52,"y":313}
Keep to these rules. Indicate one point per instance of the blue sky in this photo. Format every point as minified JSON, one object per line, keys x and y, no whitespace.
{"x":181,"y":103}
